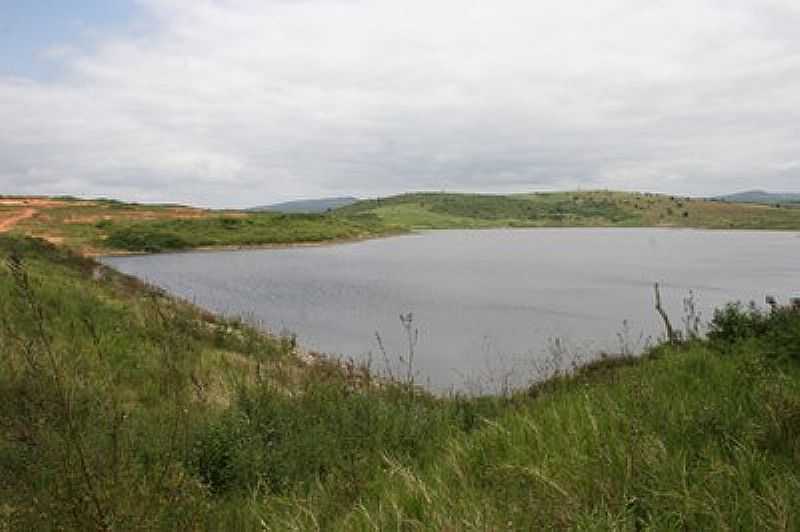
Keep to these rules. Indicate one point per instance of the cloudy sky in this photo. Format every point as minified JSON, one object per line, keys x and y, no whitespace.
{"x":240,"y":102}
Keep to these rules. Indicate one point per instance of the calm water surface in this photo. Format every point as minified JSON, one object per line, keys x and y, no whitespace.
{"x":489,"y":305}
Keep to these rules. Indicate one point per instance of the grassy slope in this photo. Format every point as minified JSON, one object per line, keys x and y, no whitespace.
{"x":103,"y":226}
{"x":101,"y":376}
{"x":567,"y":209}
{"x":106,"y":226}
{"x":249,"y":230}
{"x":82,"y":225}
{"x":123,"y":409}
{"x":688,"y":441}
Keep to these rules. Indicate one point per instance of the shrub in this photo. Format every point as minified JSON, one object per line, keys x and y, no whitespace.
{"x":735,"y":322}
{"x":783,"y":334}
{"x":145,"y":240}
{"x":777,"y":330}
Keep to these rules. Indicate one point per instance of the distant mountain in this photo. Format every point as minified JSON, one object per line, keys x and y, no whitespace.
{"x":761,"y":196}
{"x":307,"y":206}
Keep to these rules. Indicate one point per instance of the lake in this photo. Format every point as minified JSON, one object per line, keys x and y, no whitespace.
{"x":492,"y":307}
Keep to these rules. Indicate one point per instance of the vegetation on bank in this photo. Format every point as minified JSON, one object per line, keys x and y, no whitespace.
{"x":121,"y":408}
{"x":108,"y":226}
{"x":572,"y":209}
{"x":250,"y":230}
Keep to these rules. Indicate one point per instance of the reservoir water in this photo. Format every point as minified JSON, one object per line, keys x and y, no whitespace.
{"x":493,"y":307}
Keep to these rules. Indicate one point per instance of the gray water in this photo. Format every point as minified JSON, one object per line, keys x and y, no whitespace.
{"x":492,"y":307}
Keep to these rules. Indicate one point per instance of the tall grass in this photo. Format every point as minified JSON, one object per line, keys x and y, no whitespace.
{"x":123,"y":409}
{"x":96,"y":401}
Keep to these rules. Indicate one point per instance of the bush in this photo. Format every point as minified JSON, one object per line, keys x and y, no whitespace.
{"x":735,"y":322}
{"x":777,"y":330}
{"x":144,"y":240}
{"x":783,"y":334}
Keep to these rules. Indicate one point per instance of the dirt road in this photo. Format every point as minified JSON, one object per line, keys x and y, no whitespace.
{"x":8,"y":223}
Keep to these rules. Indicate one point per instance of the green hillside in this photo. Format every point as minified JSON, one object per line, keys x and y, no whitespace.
{"x":100,"y":226}
{"x":123,"y":409}
{"x":570,"y":209}
{"x":103,"y":226}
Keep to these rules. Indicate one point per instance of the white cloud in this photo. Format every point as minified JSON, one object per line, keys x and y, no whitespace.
{"x":238,"y":102}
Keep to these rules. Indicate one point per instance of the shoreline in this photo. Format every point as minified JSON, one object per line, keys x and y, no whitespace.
{"x":417,"y":231}
{"x":245,"y":247}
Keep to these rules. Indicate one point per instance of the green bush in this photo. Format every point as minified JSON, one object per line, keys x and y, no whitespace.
{"x":251,"y":230}
{"x":735,"y":322}
{"x":777,"y":330}
{"x":150,"y":241}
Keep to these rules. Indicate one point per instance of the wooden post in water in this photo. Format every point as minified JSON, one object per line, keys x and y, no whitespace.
{"x":671,"y":336}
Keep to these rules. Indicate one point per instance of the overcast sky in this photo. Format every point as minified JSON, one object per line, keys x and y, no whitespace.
{"x":232,"y":103}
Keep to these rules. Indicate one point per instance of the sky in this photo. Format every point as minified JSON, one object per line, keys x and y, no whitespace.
{"x":234,"y":103}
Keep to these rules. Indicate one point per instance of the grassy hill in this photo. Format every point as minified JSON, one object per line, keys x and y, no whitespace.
{"x":570,"y":209}
{"x":107,"y":226}
{"x":124,"y":409}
